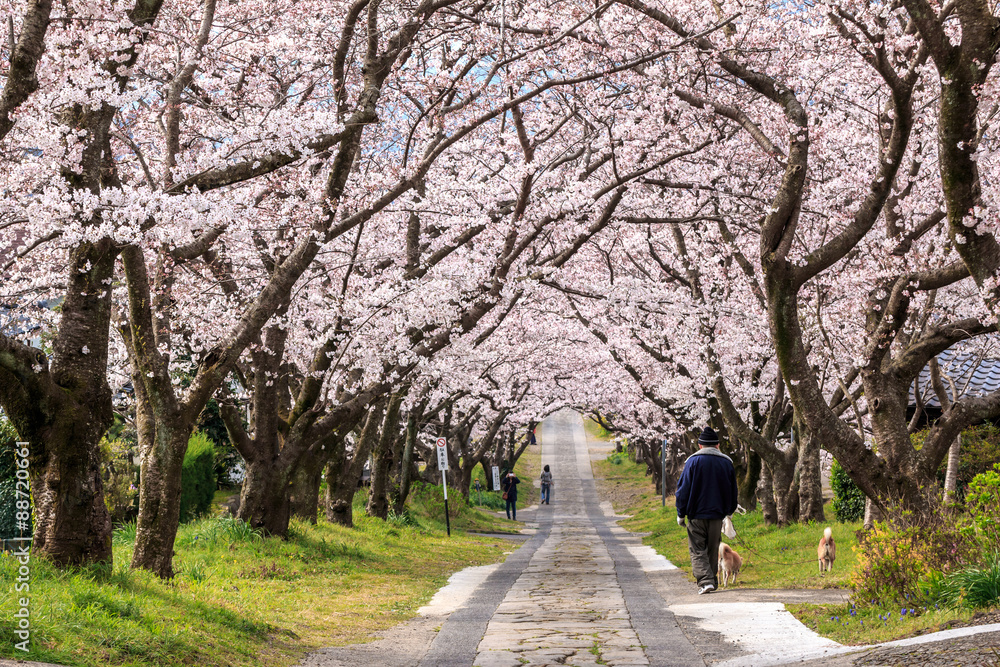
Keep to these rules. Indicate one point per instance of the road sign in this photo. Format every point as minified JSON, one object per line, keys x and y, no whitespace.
{"x":442,"y":450}
{"x":496,"y":477}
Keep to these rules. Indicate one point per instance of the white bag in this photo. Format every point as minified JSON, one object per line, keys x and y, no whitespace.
{"x":727,"y":528}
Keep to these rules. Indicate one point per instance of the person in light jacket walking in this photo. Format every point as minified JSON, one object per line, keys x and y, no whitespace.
{"x":706,"y":494}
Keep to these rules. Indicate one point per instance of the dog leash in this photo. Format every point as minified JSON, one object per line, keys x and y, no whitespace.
{"x":745,"y":545}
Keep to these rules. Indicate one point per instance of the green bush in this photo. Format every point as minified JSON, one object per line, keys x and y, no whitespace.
{"x":197,"y":477}
{"x":8,"y":483}
{"x":979,"y":452}
{"x":971,"y":588}
{"x":490,"y":500}
{"x":121,"y":478}
{"x":848,"y":499}
{"x":982,"y":500}
{"x":617,"y":458}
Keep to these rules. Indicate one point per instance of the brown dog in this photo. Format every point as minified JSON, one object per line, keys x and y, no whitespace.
{"x":729,"y":564}
{"x":826,"y":551}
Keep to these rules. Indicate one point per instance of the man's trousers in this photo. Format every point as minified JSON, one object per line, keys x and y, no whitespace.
{"x":704,"y":537}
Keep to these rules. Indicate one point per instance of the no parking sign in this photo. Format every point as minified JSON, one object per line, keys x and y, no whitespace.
{"x":442,"y":450}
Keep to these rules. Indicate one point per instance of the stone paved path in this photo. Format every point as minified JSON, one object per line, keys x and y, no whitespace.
{"x":582,"y":598}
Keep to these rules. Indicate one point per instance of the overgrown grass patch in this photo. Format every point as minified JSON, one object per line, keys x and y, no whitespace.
{"x":239,"y":598}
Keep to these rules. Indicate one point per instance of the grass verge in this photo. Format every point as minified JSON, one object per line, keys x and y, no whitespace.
{"x":855,"y":626}
{"x":239,"y":599}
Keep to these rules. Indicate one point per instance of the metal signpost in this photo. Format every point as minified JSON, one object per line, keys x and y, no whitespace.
{"x":663,"y":472}
{"x":496,"y":478}
{"x":442,"y":450}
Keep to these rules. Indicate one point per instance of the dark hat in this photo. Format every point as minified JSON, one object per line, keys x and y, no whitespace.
{"x":708,"y":437}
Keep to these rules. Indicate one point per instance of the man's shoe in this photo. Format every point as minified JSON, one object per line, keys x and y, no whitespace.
{"x":707,"y":588}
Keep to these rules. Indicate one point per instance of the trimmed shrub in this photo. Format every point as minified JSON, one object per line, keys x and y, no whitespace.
{"x":197,"y":477}
{"x":848,"y":499}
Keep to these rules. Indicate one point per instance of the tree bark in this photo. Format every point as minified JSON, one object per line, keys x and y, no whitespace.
{"x":344,"y":470}
{"x":383,"y":459}
{"x":951,"y":473}
{"x":810,"y":480}
{"x":162,"y":459}
{"x":765,"y":492}
{"x":785,"y":499}
{"x":304,"y":490}
{"x":407,"y":469}
{"x":264,"y":501}
{"x":749,"y":482}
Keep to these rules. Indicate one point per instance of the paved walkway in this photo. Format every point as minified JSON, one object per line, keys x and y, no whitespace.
{"x":580,"y":596}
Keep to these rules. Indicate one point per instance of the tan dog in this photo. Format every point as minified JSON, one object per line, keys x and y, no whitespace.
{"x":729,"y":563}
{"x":826,"y":551}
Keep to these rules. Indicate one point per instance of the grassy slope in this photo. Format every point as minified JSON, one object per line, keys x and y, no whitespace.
{"x":773,"y":558}
{"x":241,"y":600}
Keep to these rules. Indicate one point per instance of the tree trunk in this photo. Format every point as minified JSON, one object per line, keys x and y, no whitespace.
{"x":383,"y":459}
{"x":338,"y":499}
{"x":72,"y":523}
{"x":810,"y":480}
{"x":304,"y":491}
{"x":264,"y":501}
{"x":162,"y":459}
{"x":872,"y":514}
{"x":407,"y":469}
{"x":344,"y":471}
{"x":748,"y":483}
{"x":63,"y":409}
{"x":951,"y":474}
{"x":766,"y":494}
{"x":782,"y":478}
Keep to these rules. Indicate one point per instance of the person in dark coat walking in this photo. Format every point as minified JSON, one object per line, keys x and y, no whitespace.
{"x":509,"y":487}
{"x":546,"y":486}
{"x":706,"y":494}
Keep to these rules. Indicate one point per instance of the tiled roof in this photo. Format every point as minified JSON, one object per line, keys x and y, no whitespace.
{"x":972,"y":374}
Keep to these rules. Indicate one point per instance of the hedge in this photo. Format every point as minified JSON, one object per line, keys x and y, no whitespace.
{"x":197,"y":477}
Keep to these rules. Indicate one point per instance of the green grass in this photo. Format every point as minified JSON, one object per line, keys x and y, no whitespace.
{"x":853,"y":626}
{"x":240,"y":599}
{"x":773,"y":558}
{"x":595,"y":430}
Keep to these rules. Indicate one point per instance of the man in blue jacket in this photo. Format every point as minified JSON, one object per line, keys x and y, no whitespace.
{"x":706,"y":494}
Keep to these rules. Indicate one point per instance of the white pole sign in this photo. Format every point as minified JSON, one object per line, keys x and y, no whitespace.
{"x":496,"y":477}
{"x":442,"y":450}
